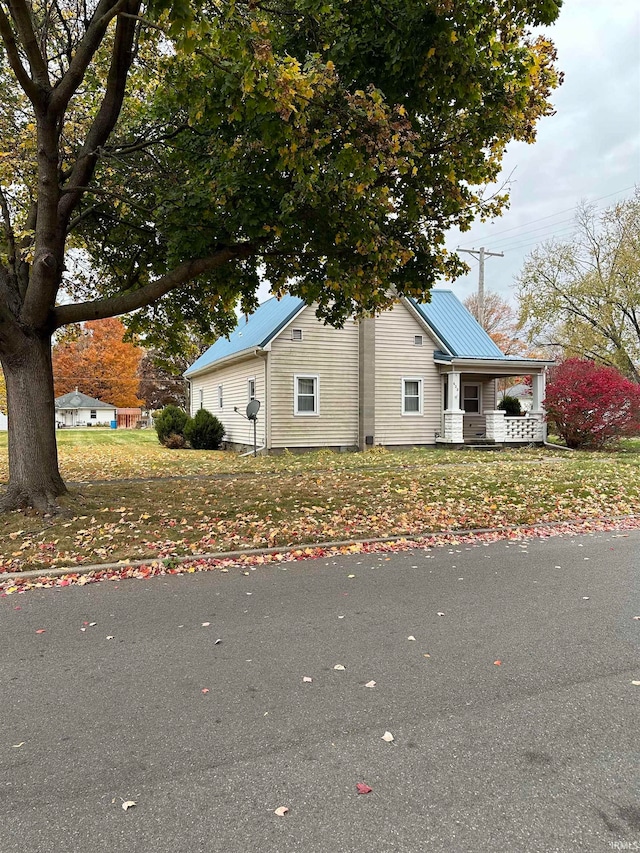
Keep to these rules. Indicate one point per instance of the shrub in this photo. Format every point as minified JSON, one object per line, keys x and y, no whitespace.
{"x":204,"y":431}
{"x":171,"y":421}
{"x":591,"y":406}
{"x":174,"y":441}
{"x":510,"y":406}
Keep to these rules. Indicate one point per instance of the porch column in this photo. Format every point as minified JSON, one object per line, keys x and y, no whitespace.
{"x":453,"y":414}
{"x":538,"y":389}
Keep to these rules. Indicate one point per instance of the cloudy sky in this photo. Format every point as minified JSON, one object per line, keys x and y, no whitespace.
{"x":588,"y":151}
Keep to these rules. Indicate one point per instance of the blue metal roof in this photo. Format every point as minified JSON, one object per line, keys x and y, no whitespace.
{"x":456,"y":327}
{"x":263,"y":325}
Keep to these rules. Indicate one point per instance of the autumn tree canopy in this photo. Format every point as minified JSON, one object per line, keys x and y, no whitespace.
{"x":584,"y":294}
{"x":157,"y":158}
{"x":99,"y":363}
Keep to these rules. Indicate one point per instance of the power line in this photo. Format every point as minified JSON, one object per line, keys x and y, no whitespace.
{"x":489,"y":237}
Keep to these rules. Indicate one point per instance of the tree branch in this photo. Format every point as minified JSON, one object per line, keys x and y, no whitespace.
{"x":13,"y":55}
{"x":105,"y":12}
{"x":131,"y":300}
{"x":21,"y":14}
{"x":105,"y":120}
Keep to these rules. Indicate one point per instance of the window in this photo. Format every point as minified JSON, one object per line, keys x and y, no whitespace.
{"x":296,"y":334}
{"x":471,"y":399}
{"x":201,"y":398}
{"x":251,"y":389}
{"x":93,"y":414}
{"x":220,"y":398}
{"x":417,"y":340}
{"x":412,"y":396}
{"x":306,"y":395}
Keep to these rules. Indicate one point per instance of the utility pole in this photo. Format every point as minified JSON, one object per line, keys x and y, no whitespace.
{"x":481,"y":254}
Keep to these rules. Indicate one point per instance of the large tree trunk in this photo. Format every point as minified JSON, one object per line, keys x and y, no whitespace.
{"x":34,"y":478}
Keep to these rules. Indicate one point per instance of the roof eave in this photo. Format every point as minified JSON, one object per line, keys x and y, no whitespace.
{"x":518,"y":364}
{"x":225,"y":362}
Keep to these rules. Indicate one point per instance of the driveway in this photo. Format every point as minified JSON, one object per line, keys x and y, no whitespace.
{"x":513,"y":712}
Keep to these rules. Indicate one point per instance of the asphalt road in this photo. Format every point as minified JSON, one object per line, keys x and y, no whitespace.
{"x":539,"y":753}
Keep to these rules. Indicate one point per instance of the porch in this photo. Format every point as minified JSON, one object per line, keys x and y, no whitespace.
{"x":470,"y":414}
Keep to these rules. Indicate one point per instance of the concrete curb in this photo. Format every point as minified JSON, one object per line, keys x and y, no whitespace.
{"x":288,"y":549}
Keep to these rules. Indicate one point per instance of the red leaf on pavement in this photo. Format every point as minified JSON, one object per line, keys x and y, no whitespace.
{"x":205,"y":690}
{"x":363,"y":789}
{"x":497,"y":663}
{"x":40,"y":630}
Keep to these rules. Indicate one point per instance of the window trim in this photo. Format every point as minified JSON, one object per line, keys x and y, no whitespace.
{"x":93,"y":414}
{"x":201,"y":392}
{"x":316,"y":380}
{"x":294,"y":331}
{"x":477,"y":385}
{"x":221,"y":396}
{"x":420,"y":381}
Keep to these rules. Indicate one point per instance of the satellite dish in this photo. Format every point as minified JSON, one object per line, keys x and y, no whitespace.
{"x":252,"y":409}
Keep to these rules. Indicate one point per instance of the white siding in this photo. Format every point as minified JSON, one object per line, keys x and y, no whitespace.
{"x":398,"y":357}
{"x":332,"y":356}
{"x":234,"y":380}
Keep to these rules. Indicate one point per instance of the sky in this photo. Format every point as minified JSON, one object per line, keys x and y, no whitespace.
{"x":588,"y":151}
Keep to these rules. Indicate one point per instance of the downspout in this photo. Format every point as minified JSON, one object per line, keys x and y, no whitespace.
{"x":260,"y":353}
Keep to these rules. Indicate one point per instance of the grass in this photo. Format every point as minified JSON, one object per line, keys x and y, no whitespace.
{"x":134,"y":499}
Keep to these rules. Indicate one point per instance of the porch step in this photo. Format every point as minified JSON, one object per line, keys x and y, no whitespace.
{"x":482,"y":445}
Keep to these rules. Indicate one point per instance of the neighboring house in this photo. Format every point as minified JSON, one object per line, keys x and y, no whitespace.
{"x":77,"y":409}
{"x":418,"y":374}
{"x":523,"y":393}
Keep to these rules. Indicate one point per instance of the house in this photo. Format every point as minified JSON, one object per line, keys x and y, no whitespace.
{"x":77,"y":409}
{"x":417,"y":374}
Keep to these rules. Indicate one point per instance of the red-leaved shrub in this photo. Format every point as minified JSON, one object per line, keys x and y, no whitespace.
{"x":591,"y":406}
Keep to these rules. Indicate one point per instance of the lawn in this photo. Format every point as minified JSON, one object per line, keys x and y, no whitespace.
{"x":133,"y":499}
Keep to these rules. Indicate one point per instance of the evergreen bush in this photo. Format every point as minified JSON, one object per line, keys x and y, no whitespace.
{"x":204,"y":431}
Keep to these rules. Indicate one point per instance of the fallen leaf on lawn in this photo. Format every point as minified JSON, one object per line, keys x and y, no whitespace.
{"x":338,"y":666}
{"x":387,"y":737}
{"x":128,"y":804}
{"x":307,"y":679}
{"x":497,"y":663}
{"x":412,"y":638}
{"x":22,"y":743}
{"x":363,"y":788}
{"x":281,"y":811}
{"x":41,"y":630}
{"x":370,"y":684}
